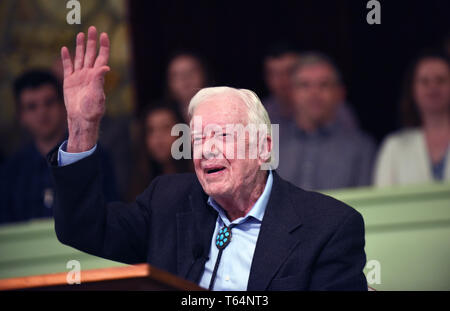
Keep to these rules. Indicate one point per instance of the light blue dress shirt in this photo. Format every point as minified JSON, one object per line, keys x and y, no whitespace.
{"x":234,"y":268}
{"x":66,"y":158}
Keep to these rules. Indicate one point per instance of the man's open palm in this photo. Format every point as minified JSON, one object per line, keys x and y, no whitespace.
{"x":84,"y":78}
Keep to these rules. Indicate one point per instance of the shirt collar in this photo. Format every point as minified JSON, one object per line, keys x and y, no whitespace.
{"x":327,"y":129}
{"x":257,"y":210}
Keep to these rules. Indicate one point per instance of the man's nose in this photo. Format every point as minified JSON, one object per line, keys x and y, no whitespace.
{"x":211,"y":149}
{"x":41,"y":109}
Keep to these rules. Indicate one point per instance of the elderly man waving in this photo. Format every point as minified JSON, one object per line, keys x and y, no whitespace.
{"x":230,"y":226}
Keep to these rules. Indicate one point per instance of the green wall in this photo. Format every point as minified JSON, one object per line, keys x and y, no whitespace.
{"x":408,"y":233}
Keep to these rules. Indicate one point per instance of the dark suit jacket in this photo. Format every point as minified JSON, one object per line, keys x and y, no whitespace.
{"x":308,"y":241}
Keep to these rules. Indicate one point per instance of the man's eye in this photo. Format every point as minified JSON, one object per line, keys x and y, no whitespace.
{"x":227,"y":135}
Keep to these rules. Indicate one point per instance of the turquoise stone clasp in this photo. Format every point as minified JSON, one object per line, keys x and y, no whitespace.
{"x":223,"y":237}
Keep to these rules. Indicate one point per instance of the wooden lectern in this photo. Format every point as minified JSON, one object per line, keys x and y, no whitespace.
{"x":136,"y":277}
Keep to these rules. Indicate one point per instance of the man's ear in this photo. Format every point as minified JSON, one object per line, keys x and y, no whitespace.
{"x":265,"y":149}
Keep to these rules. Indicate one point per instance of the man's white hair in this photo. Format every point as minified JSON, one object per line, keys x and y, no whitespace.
{"x":257,"y":114}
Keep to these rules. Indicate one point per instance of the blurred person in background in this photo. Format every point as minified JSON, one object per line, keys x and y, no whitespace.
{"x":153,"y":150}
{"x":279,"y":62}
{"x":318,"y":151}
{"x":26,"y":189}
{"x":187,"y":73}
{"x":419,"y":153}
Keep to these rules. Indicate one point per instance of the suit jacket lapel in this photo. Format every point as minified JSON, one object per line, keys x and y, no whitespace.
{"x":195,"y":227}
{"x":278,"y":236}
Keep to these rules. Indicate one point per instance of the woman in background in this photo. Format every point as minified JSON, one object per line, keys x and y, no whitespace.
{"x":153,"y":152}
{"x":187,"y":73}
{"x":420,"y":152}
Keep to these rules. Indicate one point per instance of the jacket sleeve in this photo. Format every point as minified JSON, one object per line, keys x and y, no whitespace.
{"x":340,"y":265}
{"x":83,"y":219}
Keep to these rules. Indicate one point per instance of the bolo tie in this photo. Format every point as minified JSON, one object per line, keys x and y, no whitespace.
{"x":222,"y":240}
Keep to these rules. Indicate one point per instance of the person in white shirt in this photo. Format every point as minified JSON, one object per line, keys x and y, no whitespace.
{"x":419,"y":153}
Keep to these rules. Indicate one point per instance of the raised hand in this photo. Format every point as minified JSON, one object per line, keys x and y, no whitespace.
{"x":84,"y":96}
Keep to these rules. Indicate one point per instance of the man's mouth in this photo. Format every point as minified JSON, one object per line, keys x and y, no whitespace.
{"x":215,"y":170}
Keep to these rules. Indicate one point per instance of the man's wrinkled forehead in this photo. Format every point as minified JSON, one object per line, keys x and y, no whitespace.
{"x":221,"y":110}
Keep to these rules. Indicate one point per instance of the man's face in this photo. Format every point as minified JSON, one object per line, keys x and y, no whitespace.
{"x":220,"y":171}
{"x":42,"y":112}
{"x":432,"y":85}
{"x":316,"y":92}
{"x":277,"y":74}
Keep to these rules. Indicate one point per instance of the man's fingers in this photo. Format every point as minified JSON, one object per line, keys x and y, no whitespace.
{"x":79,"y":52}
{"x":86,"y":57}
{"x":99,"y":74}
{"x":91,"y":47}
{"x":103,"y":54}
{"x":99,"y":77}
{"x":66,"y":61}
{"x":101,"y":71}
